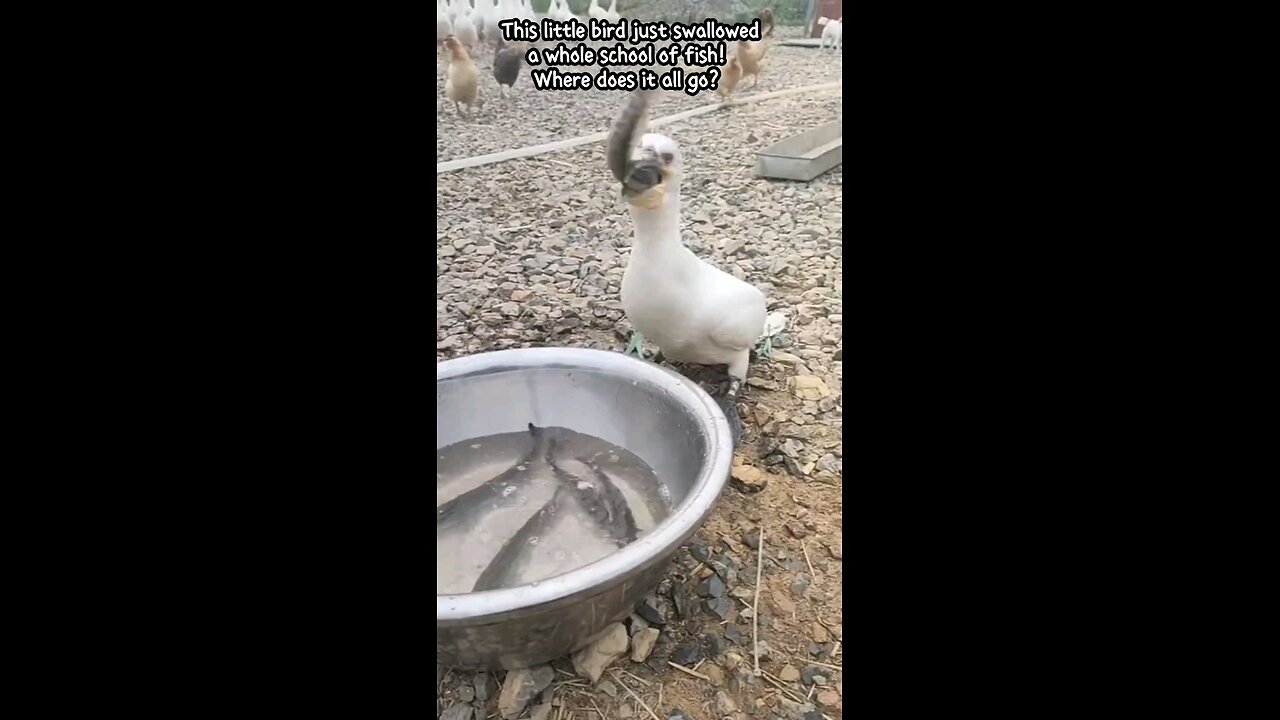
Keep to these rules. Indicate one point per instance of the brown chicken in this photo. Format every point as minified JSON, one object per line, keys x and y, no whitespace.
{"x":729,"y":78}
{"x":751,"y":55}
{"x":766,"y":19}
{"x":461,"y":79}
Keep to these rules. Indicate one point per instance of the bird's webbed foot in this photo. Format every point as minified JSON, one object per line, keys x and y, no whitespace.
{"x":635,"y":346}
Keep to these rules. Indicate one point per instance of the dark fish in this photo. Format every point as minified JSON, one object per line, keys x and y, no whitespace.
{"x":465,"y":507}
{"x":621,"y":136}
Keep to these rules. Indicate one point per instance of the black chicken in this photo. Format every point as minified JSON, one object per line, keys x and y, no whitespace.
{"x":506,"y":64}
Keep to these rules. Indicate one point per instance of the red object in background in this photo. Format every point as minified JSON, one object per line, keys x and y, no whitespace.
{"x":833,"y":9}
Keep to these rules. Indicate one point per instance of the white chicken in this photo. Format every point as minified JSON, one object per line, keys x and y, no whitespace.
{"x":465,"y":31}
{"x":594,"y":10}
{"x":526,"y":10}
{"x":694,"y":312}
{"x":612,"y":14}
{"x":444,"y":27}
{"x":833,"y":31}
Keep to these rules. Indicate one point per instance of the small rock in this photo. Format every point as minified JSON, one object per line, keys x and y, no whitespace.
{"x":461,"y":711}
{"x":836,"y":551}
{"x":687,"y":654}
{"x":637,"y":624}
{"x":680,"y":596}
{"x":677,"y":714}
{"x":518,"y":295}
{"x":797,"y":530}
{"x":748,"y":478}
{"x":649,"y":610}
{"x":713,"y":673}
{"x":591,"y":661}
{"x":608,"y":688}
{"x":838,"y":354}
{"x":789,"y":674}
{"x":810,"y":387}
{"x":725,"y":704}
{"x":733,"y":634}
{"x":712,"y":587}
{"x":720,"y":606}
{"x":484,"y":685}
{"x":700,"y":552}
{"x":751,"y":538}
{"x":625,"y":712}
{"x":810,"y":672}
{"x":510,"y":309}
{"x":820,"y":633}
{"x":715,"y":644}
{"x":784,"y":603}
{"x":800,"y":586}
{"x":540,"y":712}
{"x":466,"y":693}
{"x":642,"y":644}
{"x":828,"y":699}
{"x":521,"y":687}
{"x":762,"y":648}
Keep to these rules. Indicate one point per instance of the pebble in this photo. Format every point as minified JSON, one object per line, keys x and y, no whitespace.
{"x":700,"y":552}
{"x":714,"y":644}
{"x":733,"y":633}
{"x":725,"y":704}
{"x":721,"y":607}
{"x":642,"y":644}
{"x":677,"y":714}
{"x":762,"y":648}
{"x":828,"y":699}
{"x":591,"y":661}
{"x":748,"y":478}
{"x":836,"y":551}
{"x":751,"y":538}
{"x":625,"y":711}
{"x":809,"y":387}
{"x":712,"y":587}
{"x":461,"y":711}
{"x":797,"y":530}
{"x":607,"y":688}
{"x":484,"y":685}
{"x":714,"y":674}
{"x":820,"y":633}
{"x":800,"y":585}
{"x":687,"y":654}
{"x":810,"y":672}
{"x":521,"y":687}
{"x":540,"y":712}
{"x":789,"y":674}
{"x":466,"y":693}
{"x":649,"y":610}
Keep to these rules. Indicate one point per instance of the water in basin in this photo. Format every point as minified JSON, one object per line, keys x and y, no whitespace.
{"x":521,"y":507}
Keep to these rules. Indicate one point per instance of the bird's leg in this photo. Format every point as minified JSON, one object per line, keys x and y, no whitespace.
{"x":457,"y":106}
{"x":728,"y":401}
{"x":636,"y":345}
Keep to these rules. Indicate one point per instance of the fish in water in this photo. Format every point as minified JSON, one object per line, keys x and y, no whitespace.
{"x":564,"y":500}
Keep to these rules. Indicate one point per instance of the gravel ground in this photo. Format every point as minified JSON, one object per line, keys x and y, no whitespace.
{"x":538,"y":116}
{"x":531,"y":252}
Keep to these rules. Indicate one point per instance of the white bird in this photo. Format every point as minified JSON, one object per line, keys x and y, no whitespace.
{"x":594,"y":10}
{"x":451,"y":10}
{"x":832,"y":30}
{"x":612,"y":13}
{"x":693,"y":311}
{"x":444,"y":28}
{"x":490,"y":14}
{"x":465,"y":31}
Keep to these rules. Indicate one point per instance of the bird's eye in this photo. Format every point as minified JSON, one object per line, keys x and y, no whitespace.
{"x":667,"y":158}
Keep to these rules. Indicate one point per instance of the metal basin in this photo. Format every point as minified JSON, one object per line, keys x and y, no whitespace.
{"x":665,"y":419}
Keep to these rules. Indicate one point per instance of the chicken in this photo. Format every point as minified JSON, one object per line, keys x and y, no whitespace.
{"x":461,"y":80}
{"x":594,"y":10}
{"x":506,"y":65}
{"x":729,"y":78}
{"x":612,"y":13}
{"x":465,"y":30}
{"x":766,"y":19}
{"x":444,"y":27}
{"x":751,"y":55}
{"x":832,"y":32}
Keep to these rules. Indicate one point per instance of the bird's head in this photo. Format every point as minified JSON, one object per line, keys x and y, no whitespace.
{"x":649,"y":173}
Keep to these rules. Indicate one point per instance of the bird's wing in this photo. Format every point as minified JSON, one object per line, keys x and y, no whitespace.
{"x":741,"y":326}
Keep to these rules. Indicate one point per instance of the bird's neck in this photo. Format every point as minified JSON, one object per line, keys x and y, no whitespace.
{"x":659,"y":227}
